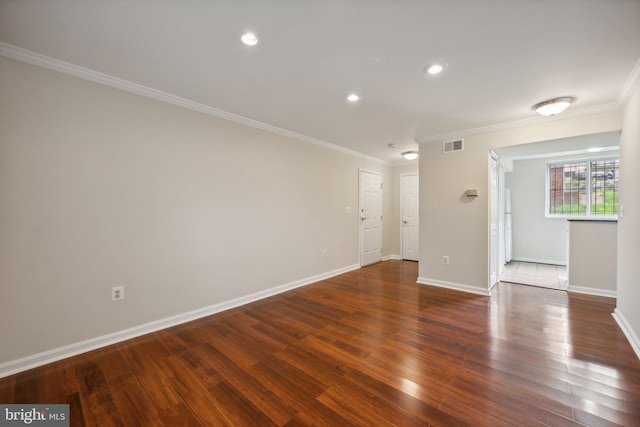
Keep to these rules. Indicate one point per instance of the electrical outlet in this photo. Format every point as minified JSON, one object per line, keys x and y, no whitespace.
{"x":445,"y":259}
{"x":117,"y":293}
{"x":324,"y":252}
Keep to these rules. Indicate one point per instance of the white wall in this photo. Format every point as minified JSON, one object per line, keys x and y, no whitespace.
{"x":99,"y":188}
{"x":593,"y":257}
{"x":536,"y":238}
{"x":454,"y":225}
{"x":628,"y":287}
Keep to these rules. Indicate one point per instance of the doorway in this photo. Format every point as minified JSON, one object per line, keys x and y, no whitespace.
{"x":409,"y":193}
{"x":370,"y":216}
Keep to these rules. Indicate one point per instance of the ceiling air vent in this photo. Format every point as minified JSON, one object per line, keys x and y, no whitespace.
{"x":451,"y":146}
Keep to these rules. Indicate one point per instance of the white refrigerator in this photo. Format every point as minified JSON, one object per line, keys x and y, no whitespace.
{"x":508,"y":236}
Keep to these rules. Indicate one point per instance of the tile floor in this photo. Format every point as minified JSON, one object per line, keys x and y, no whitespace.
{"x":530,"y":273}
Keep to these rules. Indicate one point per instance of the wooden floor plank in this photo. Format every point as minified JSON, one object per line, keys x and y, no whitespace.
{"x":368,"y":347}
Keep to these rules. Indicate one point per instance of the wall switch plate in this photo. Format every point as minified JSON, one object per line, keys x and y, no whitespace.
{"x":324,"y":252}
{"x":117,"y":293}
{"x":445,"y":259}
{"x":347,"y":210}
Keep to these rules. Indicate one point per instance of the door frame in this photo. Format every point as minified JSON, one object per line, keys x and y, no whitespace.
{"x":402,"y":176}
{"x":494,"y":211}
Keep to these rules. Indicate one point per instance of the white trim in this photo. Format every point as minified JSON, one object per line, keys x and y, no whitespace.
{"x":43,"y":61}
{"x":39,"y":359}
{"x":630,"y":85}
{"x":591,"y":291}
{"x":539,"y":261}
{"x":390,"y":257}
{"x":627,"y":330}
{"x":454,"y":286}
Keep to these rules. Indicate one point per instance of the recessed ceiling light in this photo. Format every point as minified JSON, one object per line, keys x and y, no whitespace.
{"x":353,"y":98}
{"x":553,"y":106}
{"x":249,"y":39}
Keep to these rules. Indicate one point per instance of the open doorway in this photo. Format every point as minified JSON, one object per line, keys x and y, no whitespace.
{"x":537,"y":253}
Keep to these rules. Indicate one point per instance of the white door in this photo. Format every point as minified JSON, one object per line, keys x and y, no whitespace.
{"x":409,"y":212}
{"x":370,"y":209}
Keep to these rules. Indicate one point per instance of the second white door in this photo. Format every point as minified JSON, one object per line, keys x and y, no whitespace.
{"x":409,"y":208}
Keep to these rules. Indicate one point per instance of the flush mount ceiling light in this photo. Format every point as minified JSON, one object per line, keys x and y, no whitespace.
{"x":433,"y":69}
{"x":553,"y":106}
{"x":353,"y":98}
{"x":249,"y":39}
{"x":410,"y":155}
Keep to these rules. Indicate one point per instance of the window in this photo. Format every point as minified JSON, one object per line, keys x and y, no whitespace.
{"x":583,"y":188}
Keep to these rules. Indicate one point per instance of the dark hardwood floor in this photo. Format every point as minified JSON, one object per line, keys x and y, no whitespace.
{"x":370,"y":347}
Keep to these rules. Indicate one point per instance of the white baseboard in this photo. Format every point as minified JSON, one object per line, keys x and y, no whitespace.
{"x":539,"y":261}
{"x":591,"y":291}
{"x":388,"y":257}
{"x":454,"y":286}
{"x":15,"y":366}
{"x":627,"y":331}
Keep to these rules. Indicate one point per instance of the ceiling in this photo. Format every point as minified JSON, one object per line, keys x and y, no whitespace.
{"x":606,"y":143}
{"x":502,"y":57}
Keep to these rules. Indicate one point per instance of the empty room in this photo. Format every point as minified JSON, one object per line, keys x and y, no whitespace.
{"x":329,"y":213}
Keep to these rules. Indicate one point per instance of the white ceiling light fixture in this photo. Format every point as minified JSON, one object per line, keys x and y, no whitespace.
{"x":433,"y":69}
{"x":410,"y":155}
{"x":353,"y":97}
{"x":249,"y":39}
{"x":553,"y":106}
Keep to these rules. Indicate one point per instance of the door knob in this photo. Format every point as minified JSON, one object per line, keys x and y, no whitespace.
{"x":363,"y":218}
{"x":405,"y":222}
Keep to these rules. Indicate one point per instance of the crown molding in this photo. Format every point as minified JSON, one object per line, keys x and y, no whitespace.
{"x":630,"y":85}
{"x":613,"y":106}
{"x":57,"y":65}
{"x":43,"y":61}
